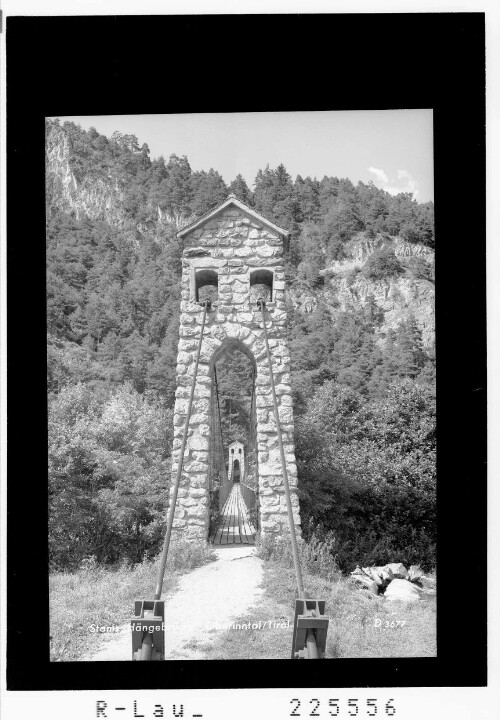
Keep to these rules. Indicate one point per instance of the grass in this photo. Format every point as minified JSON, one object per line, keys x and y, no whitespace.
{"x":360,"y":623}
{"x":97,"y":595}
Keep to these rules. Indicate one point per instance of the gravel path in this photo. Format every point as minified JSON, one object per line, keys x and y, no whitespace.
{"x":214,"y":594}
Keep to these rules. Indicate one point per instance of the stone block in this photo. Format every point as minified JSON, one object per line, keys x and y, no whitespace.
{"x":263,"y":380}
{"x":269,"y":526}
{"x":202,"y":378}
{"x":245,"y":334}
{"x":196,"y":527}
{"x":271,"y":500}
{"x":232,"y":330}
{"x":200,"y":455}
{"x":184,"y":358}
{"x":188,"y":502}
{"x":195,"y":466}
{"x":239,"y":298}
{"x":197,"y":510}
{"x":198,"y":442}
{"x":286,"y":415}
{"x":264,"y":401}
{"x":246,"y":317}
{"x":243,"y":252}
{"x":187,"y":345}
{"x":269,"y":470}
{"x":202,"y":392}
{"x":197,"y":492}
{"x":262,"y":416}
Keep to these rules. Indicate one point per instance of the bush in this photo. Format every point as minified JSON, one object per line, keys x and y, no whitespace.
{"x":367,"y":475}
{"x":382,"y":264}
{"x":316,"y":556}
{"x":184,"y":555}
{"x":419,"y":268}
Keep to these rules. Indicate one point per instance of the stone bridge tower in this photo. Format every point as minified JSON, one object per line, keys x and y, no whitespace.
{"x":238,"y":255}
{"x":236,"y":458}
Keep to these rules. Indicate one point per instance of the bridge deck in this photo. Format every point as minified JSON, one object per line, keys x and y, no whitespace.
{"x":234,"y":525}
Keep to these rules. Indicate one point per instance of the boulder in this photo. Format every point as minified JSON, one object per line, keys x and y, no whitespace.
{"x":402,"y":590}
{"x":415,"y":573}
{"x":376,"y":576}
{"x":386,"y":574}
{"x":398,"y":570}
{"x":367,"y":583}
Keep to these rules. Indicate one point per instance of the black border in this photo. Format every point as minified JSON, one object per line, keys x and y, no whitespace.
{"x":113,"y":65}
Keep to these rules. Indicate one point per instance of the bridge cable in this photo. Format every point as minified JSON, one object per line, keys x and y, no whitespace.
{"x":293,"y":538}
{"x":170,"y":521}
{"x":222,"y":462}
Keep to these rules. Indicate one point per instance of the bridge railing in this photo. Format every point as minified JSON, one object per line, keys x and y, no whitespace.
{"x":224,"y":491}
{"x":249,"y":496}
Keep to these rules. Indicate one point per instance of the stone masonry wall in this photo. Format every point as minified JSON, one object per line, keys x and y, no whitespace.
{"x":233,"y":244}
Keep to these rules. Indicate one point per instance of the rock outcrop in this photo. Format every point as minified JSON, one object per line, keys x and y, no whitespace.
{"x":399,"y":298}
{"x":96,"y":196}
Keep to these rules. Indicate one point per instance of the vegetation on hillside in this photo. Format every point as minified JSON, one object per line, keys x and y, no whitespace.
{"x":364,"y":409}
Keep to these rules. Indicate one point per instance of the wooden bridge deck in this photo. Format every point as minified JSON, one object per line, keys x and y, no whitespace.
{"x":234,"y":526}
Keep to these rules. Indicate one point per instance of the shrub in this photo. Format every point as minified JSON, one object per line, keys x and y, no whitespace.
{"x":382,"y":264}
{"x":419,"y":268}
{"x":316,"y":556}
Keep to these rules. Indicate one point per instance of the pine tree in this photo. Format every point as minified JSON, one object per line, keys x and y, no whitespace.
{"x":177,"y":187}
{"x":208,"y":190}
{"x":240,"y":189}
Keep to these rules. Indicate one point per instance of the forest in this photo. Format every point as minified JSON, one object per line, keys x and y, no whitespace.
{"x":364,"y":408}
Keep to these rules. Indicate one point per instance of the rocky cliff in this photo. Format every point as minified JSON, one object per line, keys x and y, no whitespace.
{"x":398,"y":297}
{"x":96,"y":196}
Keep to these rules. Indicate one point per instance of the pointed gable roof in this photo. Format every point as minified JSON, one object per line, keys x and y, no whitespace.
{"x":232,"y":200}
{"x":236,"y":442}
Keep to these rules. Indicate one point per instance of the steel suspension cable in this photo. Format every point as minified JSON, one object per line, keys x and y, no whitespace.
{"x":223,"y":463}
{"x":293,"y":538}
{"x":173,"y":500}
{"x":251,"y":435}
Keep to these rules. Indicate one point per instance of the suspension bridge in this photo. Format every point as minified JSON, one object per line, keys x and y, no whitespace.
{"x":234,"y":501}
{"x":237,"y":254}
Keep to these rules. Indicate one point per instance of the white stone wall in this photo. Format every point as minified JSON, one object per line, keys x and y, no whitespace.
{"x":233,"y":244}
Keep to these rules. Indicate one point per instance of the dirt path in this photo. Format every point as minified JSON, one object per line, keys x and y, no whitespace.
{"x":214,"y":594}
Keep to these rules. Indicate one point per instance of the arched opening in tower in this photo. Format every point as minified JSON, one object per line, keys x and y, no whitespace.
{"x":206,"y":285}
{"x":233,"y":443}
{"x":261,"y":285}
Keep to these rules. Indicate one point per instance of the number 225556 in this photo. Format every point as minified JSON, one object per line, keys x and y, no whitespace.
{"x":337,"y":708}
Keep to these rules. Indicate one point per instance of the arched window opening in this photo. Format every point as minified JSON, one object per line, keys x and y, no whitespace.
{"x":206,"y":285}
{"x":261,"y":285}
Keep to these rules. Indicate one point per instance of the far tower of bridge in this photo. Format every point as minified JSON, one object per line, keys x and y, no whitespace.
{"x":236,"y":462}
{"x":234,"y":257}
